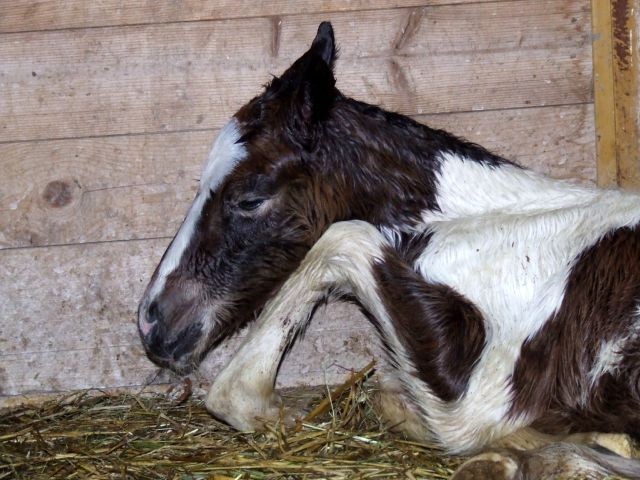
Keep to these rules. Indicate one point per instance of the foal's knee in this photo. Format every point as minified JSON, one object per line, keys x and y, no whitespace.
{"x":343,"y":256}
{"x":351,"y":239}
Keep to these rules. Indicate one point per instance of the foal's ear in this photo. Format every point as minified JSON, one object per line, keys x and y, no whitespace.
{"x":324,"y":45}
{"x":314,"y":86}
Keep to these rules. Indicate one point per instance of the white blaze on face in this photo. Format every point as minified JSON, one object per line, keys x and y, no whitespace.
{"x":225,"y":154}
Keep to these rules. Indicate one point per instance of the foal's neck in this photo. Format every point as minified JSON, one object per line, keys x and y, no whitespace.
{"x":385,"y":165}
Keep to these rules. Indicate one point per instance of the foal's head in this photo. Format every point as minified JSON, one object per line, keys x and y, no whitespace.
{"x":259,"y":208}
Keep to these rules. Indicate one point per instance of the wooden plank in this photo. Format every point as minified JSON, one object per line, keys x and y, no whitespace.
{"x":67,"y":321}
{"x":117,"y":80}
{"x":604,"y":94}
{"x":94,"y":189}
{"x":128,"y":187}
{"x":636,"y":44}
{"x":322,"y":357}
{"x":615,"y":58}
{"x":35,"y":399}
{"x":21,"y":15}
{"x":60,"y":371}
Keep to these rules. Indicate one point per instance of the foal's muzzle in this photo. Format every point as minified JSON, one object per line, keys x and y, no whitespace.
{"x":167,"y":338}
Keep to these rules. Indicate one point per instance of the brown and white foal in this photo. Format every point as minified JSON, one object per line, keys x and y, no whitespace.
{"x":504,"y":299}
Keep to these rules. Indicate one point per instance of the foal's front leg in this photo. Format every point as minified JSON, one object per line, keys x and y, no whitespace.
{"x":243,"y":393}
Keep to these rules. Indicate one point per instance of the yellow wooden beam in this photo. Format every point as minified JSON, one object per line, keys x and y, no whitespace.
{"x":604,"y":104}
{"x":616,"y":92}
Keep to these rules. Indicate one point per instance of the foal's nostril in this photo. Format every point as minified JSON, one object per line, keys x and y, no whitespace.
{"x":153,"y":312}
{"x":148,"y":318}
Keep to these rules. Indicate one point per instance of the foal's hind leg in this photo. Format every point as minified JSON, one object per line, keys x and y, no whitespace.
{"x":550,"y":462}
{"x":243,"y":393}
{"x":529,"y":439}
{"x":529,"y":454}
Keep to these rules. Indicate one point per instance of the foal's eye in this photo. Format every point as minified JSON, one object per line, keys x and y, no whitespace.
{"x":250,"y":205}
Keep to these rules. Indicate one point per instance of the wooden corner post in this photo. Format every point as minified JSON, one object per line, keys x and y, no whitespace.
{"x":615,"y":77}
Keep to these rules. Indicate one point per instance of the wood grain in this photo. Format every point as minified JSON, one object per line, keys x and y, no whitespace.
{"x":604,"y":96}
{"x":67,"y":321}
{"x":615,"y":70}
{"x":625,"y":77}
{"x":180,"y":76}
{"x":140,"y":186}
{"x":21,"y":15}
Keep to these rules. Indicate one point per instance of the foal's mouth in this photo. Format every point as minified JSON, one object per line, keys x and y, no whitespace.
{"x":180,"y":366}
{"x":178,"y":354}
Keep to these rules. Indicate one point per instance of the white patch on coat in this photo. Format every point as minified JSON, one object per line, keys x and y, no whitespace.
{"x":608,"y":359}
{"x":610,"y":354}
{"x":506,"y":238}
{"x":225,"y":154}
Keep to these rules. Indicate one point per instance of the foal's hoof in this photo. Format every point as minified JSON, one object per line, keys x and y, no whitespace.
{"x":248,"y":412}
{"x":488,"y":466}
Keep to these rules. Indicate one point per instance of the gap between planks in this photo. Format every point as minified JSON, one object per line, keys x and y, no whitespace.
{"x":264,"y":11}
{"x":215,"y":129}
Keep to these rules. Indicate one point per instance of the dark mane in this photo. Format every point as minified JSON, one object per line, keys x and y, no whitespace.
{"x":432,"y":140}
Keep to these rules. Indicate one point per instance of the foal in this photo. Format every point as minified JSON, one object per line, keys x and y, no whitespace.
{"x":504,"y":300}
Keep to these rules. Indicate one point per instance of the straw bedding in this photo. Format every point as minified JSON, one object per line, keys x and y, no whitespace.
{"x":143,"y":436}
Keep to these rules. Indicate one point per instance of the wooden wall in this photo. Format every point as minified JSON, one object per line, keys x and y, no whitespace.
{"x":107,"y":110}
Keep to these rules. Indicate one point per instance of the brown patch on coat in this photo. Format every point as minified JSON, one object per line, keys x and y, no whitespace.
{"x":442,"y":331}
{"x":551,"y":378}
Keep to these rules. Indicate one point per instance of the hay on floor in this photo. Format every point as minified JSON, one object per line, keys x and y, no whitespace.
{"x":84,"y":435}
